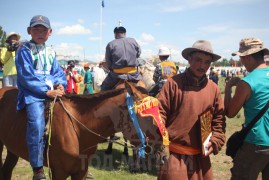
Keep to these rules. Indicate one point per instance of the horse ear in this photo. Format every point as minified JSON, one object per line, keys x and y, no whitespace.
{"x":129,"y":87}
{"x":132,"y":90}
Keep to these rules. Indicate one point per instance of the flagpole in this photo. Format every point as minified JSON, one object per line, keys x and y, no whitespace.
{"x":101,"y":24}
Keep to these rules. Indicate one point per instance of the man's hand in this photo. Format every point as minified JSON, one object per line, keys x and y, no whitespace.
{"x":210,"y":148}
{"x":233,"y":82}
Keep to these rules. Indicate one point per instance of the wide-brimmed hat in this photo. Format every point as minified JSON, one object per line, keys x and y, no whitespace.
{"x":13,"y":34}
{"x":249,"y":46}
{"x":164,"y":51}
{"x":201,"y":46}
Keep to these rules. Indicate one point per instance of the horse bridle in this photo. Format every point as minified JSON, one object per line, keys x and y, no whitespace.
{"x":148,"y":148}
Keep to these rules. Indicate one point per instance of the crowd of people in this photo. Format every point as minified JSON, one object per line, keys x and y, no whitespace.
{"x":186,"y":99}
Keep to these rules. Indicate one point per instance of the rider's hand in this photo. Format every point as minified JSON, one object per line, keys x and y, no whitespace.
{"x":54,"y":93}
{"x":59,"y":87}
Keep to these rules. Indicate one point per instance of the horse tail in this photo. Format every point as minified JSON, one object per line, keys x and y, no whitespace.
{"x":1,"y":151}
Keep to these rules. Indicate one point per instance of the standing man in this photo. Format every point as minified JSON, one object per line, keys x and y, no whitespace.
{"x":121,"y":59}
{"x":99,"y":77}
{"x":88,"y":79}
{"x":8,"y":59}
{"x":251,"y":93}
{"x":213,"y":76}
{"x":40,"y":77}
{"x":164,"y":70}
{"x":184,"y":100}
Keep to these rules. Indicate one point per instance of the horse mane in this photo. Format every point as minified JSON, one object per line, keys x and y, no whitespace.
{"x":93,"y":97}
{"x":100,"y":96}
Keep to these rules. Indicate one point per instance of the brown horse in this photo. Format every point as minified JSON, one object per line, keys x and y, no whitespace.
{"x":78,"y":124}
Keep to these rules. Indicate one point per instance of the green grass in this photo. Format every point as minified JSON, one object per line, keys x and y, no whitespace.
{"x":119,"y":168}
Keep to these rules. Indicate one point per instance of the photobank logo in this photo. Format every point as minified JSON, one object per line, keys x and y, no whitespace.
{"x":110,"y":162}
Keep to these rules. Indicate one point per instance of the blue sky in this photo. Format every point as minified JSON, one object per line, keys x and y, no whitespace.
{"x":153,"y":23}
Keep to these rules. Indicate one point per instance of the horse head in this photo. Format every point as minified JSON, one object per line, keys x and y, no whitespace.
{"x":149,"y":128}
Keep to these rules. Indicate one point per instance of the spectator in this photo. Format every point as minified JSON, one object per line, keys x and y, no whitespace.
{"x":213,"y":75}
{"x":164,"y":70}
{"x":252,"y":94}
{"x":8,"y":60}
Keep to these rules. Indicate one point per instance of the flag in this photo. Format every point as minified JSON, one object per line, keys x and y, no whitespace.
{"x":103,"y":3}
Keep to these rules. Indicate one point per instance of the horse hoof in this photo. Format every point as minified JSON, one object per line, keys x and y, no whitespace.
{"x":89,"y":175}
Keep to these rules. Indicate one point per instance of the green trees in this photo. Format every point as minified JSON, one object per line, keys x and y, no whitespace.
{"x":3,"y":36}
{"x":226,"y":62}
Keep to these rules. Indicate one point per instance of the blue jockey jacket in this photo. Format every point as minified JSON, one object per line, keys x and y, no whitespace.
{"x":38,"y":71}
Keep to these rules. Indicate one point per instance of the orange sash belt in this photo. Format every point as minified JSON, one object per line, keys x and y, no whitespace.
{"x":180,"y":149}
{"x":125,"y":70}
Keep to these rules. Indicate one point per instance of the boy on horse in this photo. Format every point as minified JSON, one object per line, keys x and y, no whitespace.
{"x":39,"y":77}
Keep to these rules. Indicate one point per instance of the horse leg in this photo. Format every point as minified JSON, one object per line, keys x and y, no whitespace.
{"x":134,"y":166}
{"x":9,"y":164}
{"x":1,"y":161}
{"x":82,"y":175}
{"x":125,"y":151}
{"x":109,"y":147}
{"x":58,"y":174}
{"x":1,"y":150}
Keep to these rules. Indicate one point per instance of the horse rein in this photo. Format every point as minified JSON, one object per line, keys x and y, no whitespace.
{"x":72,"y":117}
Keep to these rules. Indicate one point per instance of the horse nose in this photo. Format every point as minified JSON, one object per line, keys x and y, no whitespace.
{"x":148,"y":149}
{"x":164,"y":159}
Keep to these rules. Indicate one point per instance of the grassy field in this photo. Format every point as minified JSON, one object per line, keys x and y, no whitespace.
{"x":118,"y":169}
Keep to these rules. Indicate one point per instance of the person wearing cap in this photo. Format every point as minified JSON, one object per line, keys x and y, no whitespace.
{"x":251,"y":93}
{"x":186,"y":100}
{"x":40,"y":77}
{"x":88,"y":81}
{"x":8,"y":59}
{"x":213,"y":75}
{"x":121,"y":59}
{"x":163,"y":71}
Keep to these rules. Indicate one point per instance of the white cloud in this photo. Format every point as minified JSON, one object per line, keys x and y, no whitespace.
{"x":73,"y":30}
{"x":71,"y":50}
{"x":94,"y":38}
{"x":146,"y":53}
{"x":145,"y":39}
{"x":81,"y":21}
{"x":56,"y":24}
{"x":173,"y":8}
{"x":95,"y":24}
{"x":214,"y":28}
{"x":181,"y":5}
